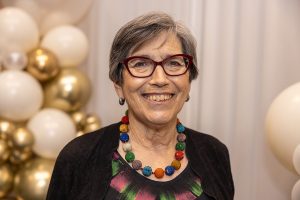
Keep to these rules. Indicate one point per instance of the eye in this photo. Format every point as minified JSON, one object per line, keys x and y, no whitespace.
{"x":175,"y":62}
{"x":139,"y":63}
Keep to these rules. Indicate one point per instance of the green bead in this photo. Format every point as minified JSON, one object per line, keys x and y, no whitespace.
{"x":180,"y":146}
{"x":129,"y":156}
{"x":126,"y":112}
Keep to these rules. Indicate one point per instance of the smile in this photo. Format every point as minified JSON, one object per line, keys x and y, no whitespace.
{"x":158,"y":97}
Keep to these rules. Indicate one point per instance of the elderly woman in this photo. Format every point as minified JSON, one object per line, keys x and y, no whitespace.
{"x":149,"y":154}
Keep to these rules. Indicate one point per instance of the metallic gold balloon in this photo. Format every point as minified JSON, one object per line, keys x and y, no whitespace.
{"x":22,"y":138}
{"x":79,"y":119}
{"x":92,"y":123}
{"x":32,"y":181}
{"x":20,"y":156}
{"x":68,"y":91}
{"x":6,"y":129}
{"x":4,"y":151}
{"x":6,"y":180}
{"x":80,"y":133}
{"x":42,"y":64}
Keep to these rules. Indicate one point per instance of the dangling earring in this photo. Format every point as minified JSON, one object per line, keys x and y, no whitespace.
{"x":188,"y":98}
{"x":121,"y":101}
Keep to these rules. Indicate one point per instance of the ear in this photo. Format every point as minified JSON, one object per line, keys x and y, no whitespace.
{"x":119,"y":90}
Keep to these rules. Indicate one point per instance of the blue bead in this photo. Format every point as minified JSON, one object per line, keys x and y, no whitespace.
{"x":124,"y":137}
{"x":169,"y":170}
{"x":180,"y":128}
{"x":147,"y":171}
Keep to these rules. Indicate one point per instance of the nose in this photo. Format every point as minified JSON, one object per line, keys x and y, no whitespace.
{"x":159,"y":77}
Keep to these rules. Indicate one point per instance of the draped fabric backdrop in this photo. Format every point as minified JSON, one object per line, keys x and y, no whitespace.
{"x":248,"y":52}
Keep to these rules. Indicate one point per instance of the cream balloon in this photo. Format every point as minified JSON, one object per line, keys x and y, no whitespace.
{"x":296,"y":159}
{"x":15,"y":59}
{"x":21,"y":95}
{"x":296,"y":191}
{"x":50,"y":14}
{"x":68,"y":43}
{"x":52,"y":130}
{"x":282,"y":125}
{"x":18,"y":28}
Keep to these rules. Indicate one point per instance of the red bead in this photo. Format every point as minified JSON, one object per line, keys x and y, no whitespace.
{"x":125,"y":120}
{"x":179,"y":155}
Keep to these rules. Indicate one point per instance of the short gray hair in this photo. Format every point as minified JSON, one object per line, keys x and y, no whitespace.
{"x":141,"y":29}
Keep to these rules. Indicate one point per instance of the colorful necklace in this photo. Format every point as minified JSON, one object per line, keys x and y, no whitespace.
{"x":147,"y":170}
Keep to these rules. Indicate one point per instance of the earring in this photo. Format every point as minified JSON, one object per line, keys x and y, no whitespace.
{"x":188,"y":98}
{"x":121,"y":101}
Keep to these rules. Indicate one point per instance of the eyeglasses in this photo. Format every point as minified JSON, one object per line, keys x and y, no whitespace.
{"x":142,"y":67}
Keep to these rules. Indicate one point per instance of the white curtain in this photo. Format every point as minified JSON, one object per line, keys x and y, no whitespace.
{"x":248,"y":52}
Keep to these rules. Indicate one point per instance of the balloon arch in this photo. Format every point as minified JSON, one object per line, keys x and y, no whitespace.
{"x":42,"y":91}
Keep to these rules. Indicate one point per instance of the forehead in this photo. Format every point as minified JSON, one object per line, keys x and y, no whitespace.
{"x":165,"y":41}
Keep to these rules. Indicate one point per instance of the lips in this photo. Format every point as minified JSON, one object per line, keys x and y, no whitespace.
{"x":158,"y":97}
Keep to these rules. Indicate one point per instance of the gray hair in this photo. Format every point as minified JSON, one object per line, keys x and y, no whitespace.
{"x":141,"y":29}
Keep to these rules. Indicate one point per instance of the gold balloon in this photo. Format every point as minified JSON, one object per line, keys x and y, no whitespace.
{"x":6,"y":180}
{"x":92,"y":123}
{"x":20,"y":156}
{"x":42,"y":64}
{"x":32,"y":181}
{"x":22,"y":138}
{"x":68,"y":91}
{"x":6,"y":129}
{"x":4,"y":151}
{"x":80,"y":133}
{"x":79,"y":118}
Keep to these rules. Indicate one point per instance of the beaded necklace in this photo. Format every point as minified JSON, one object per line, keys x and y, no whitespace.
{"x":147,"y":170}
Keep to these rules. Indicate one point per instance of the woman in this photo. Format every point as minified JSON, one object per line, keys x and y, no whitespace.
{"x":149,"y":154}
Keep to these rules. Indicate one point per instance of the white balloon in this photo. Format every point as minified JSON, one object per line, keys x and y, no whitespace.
{"x":296,"y":191}
{"x":68,"y":43}
{"x":296,"y":159}
{"x":21,"y":95}
{"x":52,"y":130}
{"x":53,"y":13}
{"x":283,"y":125}
{"x":15,"y":59}
{"x":18,"y":28}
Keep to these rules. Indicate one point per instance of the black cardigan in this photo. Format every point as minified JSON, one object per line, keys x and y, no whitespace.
{"x":83,"y":168}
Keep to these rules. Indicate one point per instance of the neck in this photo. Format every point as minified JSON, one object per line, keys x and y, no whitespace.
{"x":151,"y":136}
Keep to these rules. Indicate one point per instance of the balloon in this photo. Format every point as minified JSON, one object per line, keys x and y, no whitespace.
{"x":6,"y":179}
{"x":1,"y":58}
{"x":68,"y":91}
{"x":42,"y":64}
{"x":22,"y":138}
{"x":15,"y":59}
{"x":52,"y":130}
{"x":296,"y":159}
{"x":17,"y":28}
{"x":4,"y":151}
{"x":92,"y":123}
{"x":68,"y":43}
{"x":50,"y":14}
{"x":19,"y":156}
{"x":79,"y":118}
{"x":32,"y":181}
{"x":6,"y":129}
{"x":296,"y":191}
{"x":21,"y":95}
{"x":282,"y":125}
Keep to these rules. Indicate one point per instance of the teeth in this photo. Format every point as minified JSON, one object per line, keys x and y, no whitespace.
{"x":160,"y":97}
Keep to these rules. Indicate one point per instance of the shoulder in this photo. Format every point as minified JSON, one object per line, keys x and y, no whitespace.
{"x":86,"y":144}
{"x":205,"y":141}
